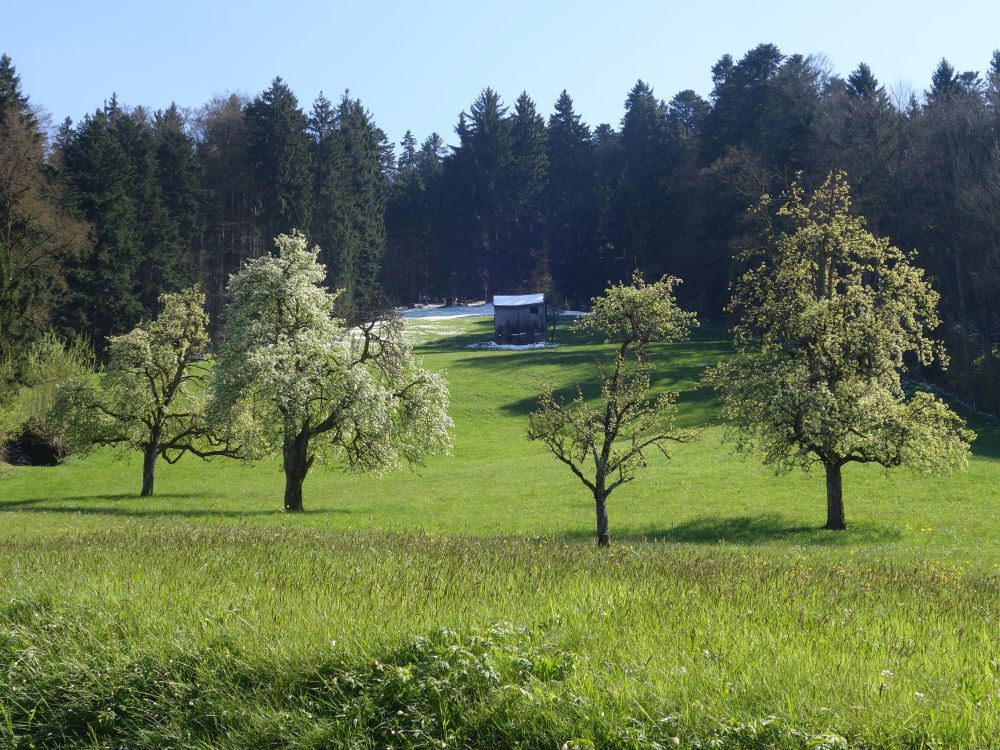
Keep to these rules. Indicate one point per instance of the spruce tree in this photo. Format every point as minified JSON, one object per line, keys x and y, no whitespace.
{"x":648,"y":157}
{"x":104,"y":295}
{"x":431,"y":155}
{"x":110,"y":164}
{"x":862,"y":83}
{"x":231,"y":233}
{"x":165,"y":264}
{"x":367,"y":159}
{"x":570,"y":199}
{"x":278,"y":149}
{"x":13,"y":100}
{"x":486,"y":152}
{"x":526,"y":266}
{"x":332,"y":227}
{"x":458,"y":222}
{"x":179,"y":175}
{"x":406,"y":221}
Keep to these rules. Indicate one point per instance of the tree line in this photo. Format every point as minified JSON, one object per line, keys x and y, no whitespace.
{"x":128,"y":204}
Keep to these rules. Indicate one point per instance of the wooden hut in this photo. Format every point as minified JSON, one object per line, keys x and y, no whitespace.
{"x":519,"y":319}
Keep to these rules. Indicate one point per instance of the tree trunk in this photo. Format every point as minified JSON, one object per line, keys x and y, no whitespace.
{"x":834,"y":499}
{"x":295,"y":458}
{"x":149,"y":456}
{"x":603,"y":540}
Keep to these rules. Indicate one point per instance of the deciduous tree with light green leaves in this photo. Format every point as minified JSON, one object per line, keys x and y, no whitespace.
{"x":294,"y":380}
{"x":828,"y":312}
{"x":606,"y":444}
{"x":151,"y":396}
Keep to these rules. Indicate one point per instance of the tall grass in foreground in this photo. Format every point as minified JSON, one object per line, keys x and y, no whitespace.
{"x":193,"y":636}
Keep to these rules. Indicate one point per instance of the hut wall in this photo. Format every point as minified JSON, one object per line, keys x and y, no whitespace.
{"x":519,"y":325}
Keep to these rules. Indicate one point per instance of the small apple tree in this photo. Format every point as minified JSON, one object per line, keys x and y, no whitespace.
{"x":151,"y":396}
{"x":606,"y":444}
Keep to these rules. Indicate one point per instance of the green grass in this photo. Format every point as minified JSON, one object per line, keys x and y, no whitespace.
{"x":205,"y":617}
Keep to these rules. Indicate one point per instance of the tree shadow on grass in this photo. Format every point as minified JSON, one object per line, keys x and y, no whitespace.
{"x":31,"y":502}
{"x":697,"y":405}
{"x":753,"y":530}
{"x":80,"y":505}
{"x":987,"y":443}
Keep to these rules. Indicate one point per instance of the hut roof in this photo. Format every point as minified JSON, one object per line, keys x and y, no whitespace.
{"x":517,"y":300}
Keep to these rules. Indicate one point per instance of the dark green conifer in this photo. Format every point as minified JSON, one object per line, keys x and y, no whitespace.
{"x":278,"y":148}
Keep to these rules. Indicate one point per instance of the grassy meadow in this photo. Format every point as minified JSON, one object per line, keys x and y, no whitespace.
{"x":464,"y":604}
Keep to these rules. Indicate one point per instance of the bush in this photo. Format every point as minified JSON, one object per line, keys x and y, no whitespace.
{"x":28,"y":432}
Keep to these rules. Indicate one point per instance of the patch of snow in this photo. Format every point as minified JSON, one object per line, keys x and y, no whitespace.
{"x":493,"y":346}
{"x":442,"y":312}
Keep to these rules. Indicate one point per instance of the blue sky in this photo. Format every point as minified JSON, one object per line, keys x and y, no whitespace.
{"x":417,"y":65}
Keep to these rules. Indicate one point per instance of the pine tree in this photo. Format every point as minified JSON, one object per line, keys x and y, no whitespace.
{"x":179,"y":175}
{"x":332,"y":227}
{"x":368,"y":160}
{"x":231,"y":235}
{"x":110,"y":163}
{"x":406,"y":223}
{"x":740,"y":98}
{"x":527,"y":259}
{"x":103,"y":298}
{"x":486,"y":153}
{"x":570,"y":198}
{"x":687,"y":112}
{"x":648,"y":156}
{"x":278,"y":148}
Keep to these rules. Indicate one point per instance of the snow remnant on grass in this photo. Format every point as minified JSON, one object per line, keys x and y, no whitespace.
{"x":493,"y":346}
{"x":442,"y":312}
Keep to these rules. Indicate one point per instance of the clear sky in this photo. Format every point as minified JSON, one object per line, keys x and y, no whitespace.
{"x":418,"y":64}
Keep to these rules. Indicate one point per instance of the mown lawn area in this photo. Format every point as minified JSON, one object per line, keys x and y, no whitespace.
{"x":464,"y":605}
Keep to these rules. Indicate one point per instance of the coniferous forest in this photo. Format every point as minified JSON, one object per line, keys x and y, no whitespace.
{"x":99,"y":217}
